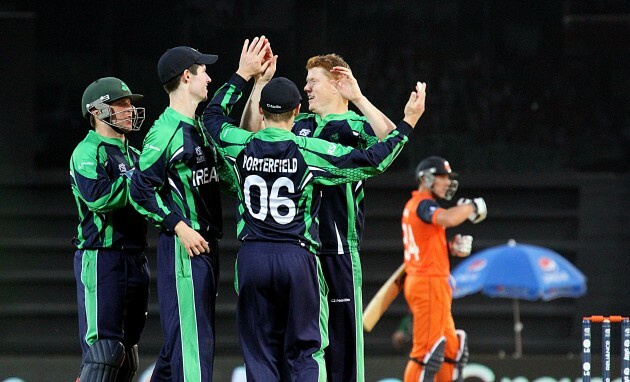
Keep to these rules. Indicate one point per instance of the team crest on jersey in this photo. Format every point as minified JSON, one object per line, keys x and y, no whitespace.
{"x":334,"y":137}
{"x":200,"y":156}
{"x":122,"y":168}
{"x":304,"y":132}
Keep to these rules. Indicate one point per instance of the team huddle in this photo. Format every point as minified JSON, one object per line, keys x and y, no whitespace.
{"x":298,"y":178}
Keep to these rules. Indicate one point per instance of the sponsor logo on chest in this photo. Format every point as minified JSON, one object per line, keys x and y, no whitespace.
{"x":200,"y":156}
{"x":204,"y":176}
{"x":305,"y":133}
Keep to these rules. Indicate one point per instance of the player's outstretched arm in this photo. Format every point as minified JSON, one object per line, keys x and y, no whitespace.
{"x":251,"y":120}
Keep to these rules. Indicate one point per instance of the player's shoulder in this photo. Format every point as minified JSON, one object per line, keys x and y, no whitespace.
{"x":353,"y":116}
{"x":428,"y":202}
{"x":304,"y":125}
{"x":167,"y":121}
{"x":304,"y":118}
{"x":88,"y":145}
{"x":85,"y":155}
{"x":163,"y":129}
{"x":424,"y":200}
{"x":426,"y":210}
{"x":348,"y":117}
{"x":134,"y":150}
{"x":348,"y":120}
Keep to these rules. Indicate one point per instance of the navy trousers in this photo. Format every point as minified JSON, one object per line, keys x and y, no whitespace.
{"x":112,"y":295}
{"x":345,"y":354}
{"x":187,"y":289}
{"x":281,"y":314}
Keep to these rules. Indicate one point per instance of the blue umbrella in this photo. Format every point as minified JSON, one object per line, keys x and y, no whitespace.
{"x":518,"y":271}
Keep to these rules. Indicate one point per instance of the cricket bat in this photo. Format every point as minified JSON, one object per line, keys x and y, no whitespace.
{"x":383,"y":298}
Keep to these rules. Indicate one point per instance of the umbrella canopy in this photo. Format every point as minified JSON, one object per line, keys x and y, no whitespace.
{"x":521,"y":271}
{"x":518,"y":271}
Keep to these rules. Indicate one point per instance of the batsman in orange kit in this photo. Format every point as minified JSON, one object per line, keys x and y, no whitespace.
{"x":439,"y":351}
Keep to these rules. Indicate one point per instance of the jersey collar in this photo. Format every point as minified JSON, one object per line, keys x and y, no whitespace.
{"x":93,"y":135}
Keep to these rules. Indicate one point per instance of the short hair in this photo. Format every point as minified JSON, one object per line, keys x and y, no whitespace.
{"x":327,"y":62}
{"x":278,"y":117}
{"x":173,"y":84}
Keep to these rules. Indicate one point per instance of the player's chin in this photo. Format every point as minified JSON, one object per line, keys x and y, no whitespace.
{"x":124,"y":126}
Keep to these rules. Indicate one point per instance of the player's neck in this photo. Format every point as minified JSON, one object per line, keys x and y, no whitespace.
{"x":104,"y":130}
{"x":280,"y":125}
{"x":183,"y":103}
{"x":333,"y":108}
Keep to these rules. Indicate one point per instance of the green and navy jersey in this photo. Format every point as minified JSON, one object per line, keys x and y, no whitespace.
{"x":342,"y":212}
{"x":278,"y":172}
{"x":101,"y":191}
{"x":177,"y":178}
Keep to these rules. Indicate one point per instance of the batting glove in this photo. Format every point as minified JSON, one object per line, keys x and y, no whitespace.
{"x":461,"y":246}
{"x":480,"y":212}
{"x":464,"y":201}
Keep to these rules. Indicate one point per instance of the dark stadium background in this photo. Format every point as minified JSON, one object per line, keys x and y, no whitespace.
{"x":529,"y":100}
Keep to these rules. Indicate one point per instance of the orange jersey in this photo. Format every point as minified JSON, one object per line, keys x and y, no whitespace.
{"x":426,"y":253}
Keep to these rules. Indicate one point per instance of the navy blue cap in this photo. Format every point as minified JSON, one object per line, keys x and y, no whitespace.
{"x":175,"y":60}
{"x":279,"y":96}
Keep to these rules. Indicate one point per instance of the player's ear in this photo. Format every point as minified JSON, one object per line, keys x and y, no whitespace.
{"x":296,"y":111}
{"x":185,"y":76}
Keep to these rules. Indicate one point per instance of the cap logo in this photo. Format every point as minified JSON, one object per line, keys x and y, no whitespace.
{"x":447,"y":166}
{"x":124,"y":87}
{"x":274,"y":106}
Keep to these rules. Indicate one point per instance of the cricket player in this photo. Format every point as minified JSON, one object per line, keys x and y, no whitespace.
{"x":176,"y":187}
{"x":281,"y":311}
{"x":110,"y":266}
{"x":330,"y":87}
{"x":439,"y":352}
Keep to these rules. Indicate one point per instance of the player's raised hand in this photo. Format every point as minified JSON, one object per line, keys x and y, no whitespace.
{"x":346,"y":84}
{"x":252,"y":61}
{"x":415,"y":105}
{"x":266,"y":75}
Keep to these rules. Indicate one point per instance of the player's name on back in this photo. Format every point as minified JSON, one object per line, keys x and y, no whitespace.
{"x":270,"y":165}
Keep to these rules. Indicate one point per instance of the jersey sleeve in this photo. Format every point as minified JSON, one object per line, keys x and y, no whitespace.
{"x":331,"y":163}
{"x":428,"y":210}
{"x":92,"y":184}
{"x":224,"y":132}
{"x":149,"y":177}
{"x":367,"y":136}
